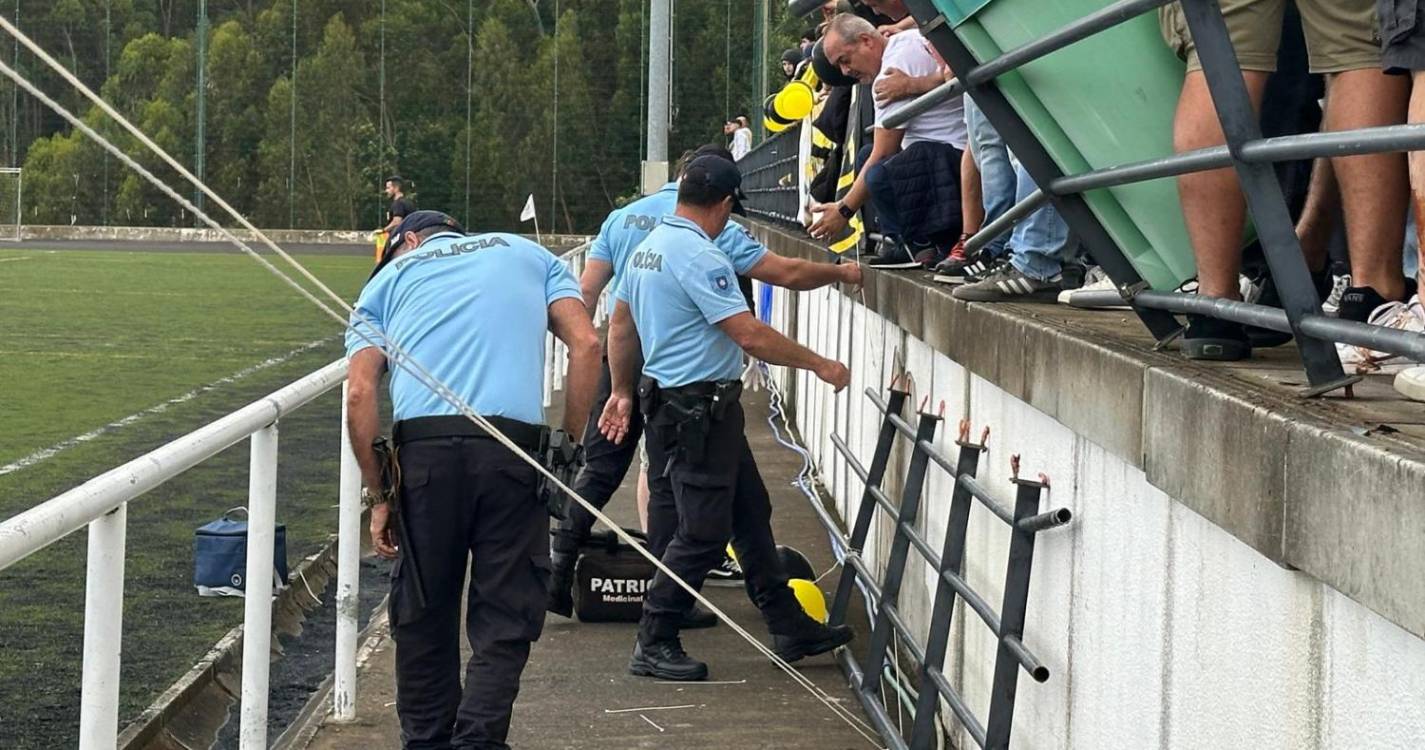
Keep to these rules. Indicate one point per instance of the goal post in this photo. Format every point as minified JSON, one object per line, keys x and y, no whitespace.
{"x":10,"y":197}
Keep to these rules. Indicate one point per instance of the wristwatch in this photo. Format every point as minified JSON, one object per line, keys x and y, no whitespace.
{"x":845,"y":210}
{"x":371,"y":498}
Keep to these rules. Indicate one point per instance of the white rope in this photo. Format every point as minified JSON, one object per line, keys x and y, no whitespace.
{"x":395,"y":354}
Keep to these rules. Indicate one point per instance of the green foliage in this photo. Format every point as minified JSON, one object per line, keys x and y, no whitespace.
{"x":561,"y":116}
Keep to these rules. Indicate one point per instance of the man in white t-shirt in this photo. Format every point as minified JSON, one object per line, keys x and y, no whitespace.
{"x":912,"y":174}
{"x":741,"y":141}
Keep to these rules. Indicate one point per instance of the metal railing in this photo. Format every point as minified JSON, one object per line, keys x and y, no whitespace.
{"x":1251,"y":155}
{"x":769,"y":177}
{"x":889,"y":626}
{"x":102,"y":504}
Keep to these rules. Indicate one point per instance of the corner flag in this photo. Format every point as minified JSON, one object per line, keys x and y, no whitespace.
{"x":528,"y":212}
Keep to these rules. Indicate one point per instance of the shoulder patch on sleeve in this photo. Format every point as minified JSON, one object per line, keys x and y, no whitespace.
{"x":722,"y":282}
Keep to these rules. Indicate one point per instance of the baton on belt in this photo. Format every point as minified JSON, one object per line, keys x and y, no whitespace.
{"x":391,"y":490}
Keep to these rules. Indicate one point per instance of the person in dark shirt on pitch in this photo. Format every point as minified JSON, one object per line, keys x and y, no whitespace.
{"x":401,"y":206}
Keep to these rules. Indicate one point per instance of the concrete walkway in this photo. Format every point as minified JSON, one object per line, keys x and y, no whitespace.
{"x":577,"y":693}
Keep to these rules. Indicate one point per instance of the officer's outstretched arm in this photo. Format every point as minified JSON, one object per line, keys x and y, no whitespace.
{"x":763,"y":342}
{"x":570,"y":322}
{"x":596,"y":276}
{"x":800,"y":275}
{"x":625,"y":362}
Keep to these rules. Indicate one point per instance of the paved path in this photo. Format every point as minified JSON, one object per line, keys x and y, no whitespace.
{"x":577,"y":674}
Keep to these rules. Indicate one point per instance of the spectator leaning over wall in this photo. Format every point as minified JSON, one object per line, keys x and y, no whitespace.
{"x":911,"y":173}
{"x":1341,"y":41}
{"x":1402,"y":35}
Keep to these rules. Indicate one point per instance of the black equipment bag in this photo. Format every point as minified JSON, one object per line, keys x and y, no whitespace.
{"x":610,"y":579}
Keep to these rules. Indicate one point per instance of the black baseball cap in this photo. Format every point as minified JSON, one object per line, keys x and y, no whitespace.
{"x":713,"y":149}
{"x":719,"y":173}
{"x":415,"y":222}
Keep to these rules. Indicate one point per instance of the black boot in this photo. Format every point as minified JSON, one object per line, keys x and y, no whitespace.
{"x":697,"y":618}
{"x":666,"y":660}
{"x":811,"y":638}
{"x":560,"y":597}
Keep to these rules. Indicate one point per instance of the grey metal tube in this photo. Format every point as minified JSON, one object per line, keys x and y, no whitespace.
{"x":1245,"y":313}
{"x":1384,"y":339}
{"x":1006,"y":221}
{"x":925,"y":102}
{"x":851,"y":460}
{"x":916,"y":652}
{"x":873,"y":708}
{"x":976,"y":602}
{"x":1032,"y":665}
{"x":1077,"y":31}
{"x":1284,"y":148}
{"x":957,"y":704}
{"x":932,"y":558}
{"x":983,"y":495}
{"x":1044,"y":521}
{"x":902,"y":426}
{"x":853,"y":558}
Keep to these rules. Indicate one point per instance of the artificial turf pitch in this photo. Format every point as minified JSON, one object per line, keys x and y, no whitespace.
{"x":151,"y":341}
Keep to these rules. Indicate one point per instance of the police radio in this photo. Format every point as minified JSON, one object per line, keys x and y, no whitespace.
{"x":563,"y":457}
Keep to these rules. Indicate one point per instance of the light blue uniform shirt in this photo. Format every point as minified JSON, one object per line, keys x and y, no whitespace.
{"x":679,"y":286}
{"x":473,"y":311}
{"x":627,"y":227}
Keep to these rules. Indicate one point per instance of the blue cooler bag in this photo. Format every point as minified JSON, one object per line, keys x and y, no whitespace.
{"x":220,"y":556}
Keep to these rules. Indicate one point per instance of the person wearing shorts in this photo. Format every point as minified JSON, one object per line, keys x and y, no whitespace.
{"x":1343,"y":44}
{"x":1402,"y":36}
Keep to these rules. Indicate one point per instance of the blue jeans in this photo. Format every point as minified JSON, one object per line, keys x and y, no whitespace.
{"x":1038,"y":242}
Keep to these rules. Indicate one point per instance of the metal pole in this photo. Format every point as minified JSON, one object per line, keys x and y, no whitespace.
{"x":108,"y":62}
{"x":348,"y":580}
{"x":292,"y":133}
{"x":660,"y":35}
{"x":469,"y":97}
{"x":103,"y":631}
{"x":759,"y":64}
{"x":554,"y":151}
{"x":15,"y":100}
{"x":257,"y":605}
{"x":201,"y":138}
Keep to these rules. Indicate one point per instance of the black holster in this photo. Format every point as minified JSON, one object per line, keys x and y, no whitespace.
{"x":388,"y":456}
{"x":691,"y":410}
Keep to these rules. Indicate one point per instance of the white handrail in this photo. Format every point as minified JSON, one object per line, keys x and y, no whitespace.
{"x":64,"y":514}
{"x":102,"y":503}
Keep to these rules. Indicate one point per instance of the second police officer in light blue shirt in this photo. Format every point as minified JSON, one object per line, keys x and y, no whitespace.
{"x":681,"y":321}
{"x":607,"y":267}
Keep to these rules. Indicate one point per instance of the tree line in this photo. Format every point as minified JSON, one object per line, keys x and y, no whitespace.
{"x":308,"y":108}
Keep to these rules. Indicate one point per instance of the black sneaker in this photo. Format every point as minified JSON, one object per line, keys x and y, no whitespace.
{"x":1008,"y":284}
{"x":894,"y":255}
{"x":559,"y":598}
{"x":811,"y":639}
{"x":698,"y":618}
{"x":727,"y":573}
{"x":666,"y":660}
{"x":1215,"y":340}
{"x":1358,"y":302}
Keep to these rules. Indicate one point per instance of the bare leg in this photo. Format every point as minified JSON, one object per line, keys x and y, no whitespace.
{"x":642,"y":499}
{"x":1374,"y":186}
{"x":972,"y":202}
{"x":1318,"y":215}
{"x":1417,"y":167}
{"x":1213,"y":205}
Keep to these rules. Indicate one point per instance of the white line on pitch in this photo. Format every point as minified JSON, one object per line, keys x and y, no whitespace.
{"x":63,"y":445}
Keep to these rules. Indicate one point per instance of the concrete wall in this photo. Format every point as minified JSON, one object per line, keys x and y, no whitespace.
{"x":1161,"y":628}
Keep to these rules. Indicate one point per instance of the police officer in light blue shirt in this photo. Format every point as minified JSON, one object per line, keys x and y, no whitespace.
{"x":682,"y":321}
{"x":473,"y":312}
{"x":609,"y":258}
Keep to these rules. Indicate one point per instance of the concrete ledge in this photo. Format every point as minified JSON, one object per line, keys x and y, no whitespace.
{"x":1332,"y":487}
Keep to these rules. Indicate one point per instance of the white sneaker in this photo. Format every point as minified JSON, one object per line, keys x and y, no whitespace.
{"x":1097,"y":293}
{"x":1411,"y":383}
{"x":1403,"y":316}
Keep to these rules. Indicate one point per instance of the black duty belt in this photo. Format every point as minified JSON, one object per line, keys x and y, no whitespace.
{"x":531,"y":437}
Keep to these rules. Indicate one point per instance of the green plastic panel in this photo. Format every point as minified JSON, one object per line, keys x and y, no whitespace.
{"x":1101,"y":102}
